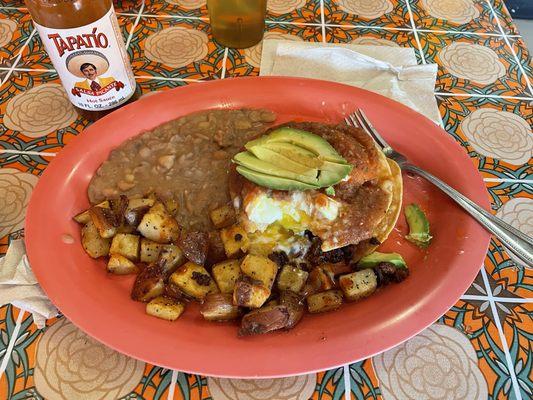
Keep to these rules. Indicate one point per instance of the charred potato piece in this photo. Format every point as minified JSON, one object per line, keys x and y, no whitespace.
{"x":219,"y":307}
{"x":226,"y":274}
{"x":292,"y":278}
{"x":120,"y":265}
{"x":195,"y":246}
{"x":173,"y":291}
{"x":193,"y":280}
{"x":223,"y":217}
{"x":336,"y":269}
{"x":216,"y":251}
{"x":165,"y":308}
{"x":170,"y":258}
{"x":235,"y":241}
{"x":158,"y":225}
{"x":320,"y":281}
{"x":105,"y":221}
{"x":136,"y":210}
{"x":150,"y":250}
{"x":358,"y":284}
{"x":260,"y":268}
{"x":324,"y":301}
{"x":93,"y":244}
{"x":126,"y":245}
{"x":84,"y":217}
{"x":295,"y":307}
{"x":119,"y":206}
{"x":266,"y":319}
{"x":250,"y":293}
{"x":149,"y":284}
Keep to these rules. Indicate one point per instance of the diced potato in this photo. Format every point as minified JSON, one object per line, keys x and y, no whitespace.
{"x":195,"y":246}
{"x":295,"y":307}
{"x":193,"y":280}
{"x":170,"y":258}
{"x":84,"y":217}
{"x":126,"y":245}
{"x":219,"y":307}
{"x":119,"y":206}
{"x":261,"y":268}
{"x":149,"y":283}
{"x":235,"y":241}
{"x":165,"y":308}
{"x":226,"y":274}
{"x":216,"y":252}
{"x":320,"y":281}
{"x":324,"y":301}
{"x":265,"y":319}
{"x":250,"y":293}
{"x":292,"y":278}
{"x":93,"y":244}
{"x":358,"y":284}
{"x":158,"y":225}
{"x":104,"y":220}
{"x":336,"y":269}
{"x":223,"y":217}
{"x":136,"y":210}
{"x":120,"y":265}
{"x":150,"y":250}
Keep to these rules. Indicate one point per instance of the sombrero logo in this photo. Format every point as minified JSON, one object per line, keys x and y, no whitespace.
{"x":91,"y":66}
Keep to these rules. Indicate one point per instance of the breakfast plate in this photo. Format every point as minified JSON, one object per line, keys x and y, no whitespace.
{"x":99,"y":303}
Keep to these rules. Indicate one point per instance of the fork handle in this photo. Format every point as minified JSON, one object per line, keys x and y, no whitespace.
{"x":517,"y":242}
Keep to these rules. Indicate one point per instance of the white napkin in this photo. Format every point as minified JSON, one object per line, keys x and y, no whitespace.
{"x":19,"y":287}
{"x":389,"y":71}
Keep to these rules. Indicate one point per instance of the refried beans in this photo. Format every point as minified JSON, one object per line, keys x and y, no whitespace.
{"x":186,"y":159}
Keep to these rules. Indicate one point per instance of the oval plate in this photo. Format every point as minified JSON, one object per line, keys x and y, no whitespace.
{"x":100,"y":305}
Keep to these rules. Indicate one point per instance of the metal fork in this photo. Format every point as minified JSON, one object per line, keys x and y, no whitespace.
{"x":516,"y":242}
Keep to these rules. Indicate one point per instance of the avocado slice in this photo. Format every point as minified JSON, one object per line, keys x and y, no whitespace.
{"x":273,"y":182}
{"x":280,"y":160}
{"x":418,"y":226}
{"x":306,"y":140}
{"x":376,"y":257}
{"x":248,"y":160}
{"x":296,"y":153}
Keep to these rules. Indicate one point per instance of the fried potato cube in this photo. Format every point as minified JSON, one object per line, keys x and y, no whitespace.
{"x":158,"y":225}
{"x":250,"y":293}
{"x":148,"y":284}
{"x":219,"y":307}
{"x":165,"y":308}
{"x":292,"y":278}
{"x":235,"y":241}
{"x":126,"y":245}
{"x":223,"y":217}
{"x":120,"y":265}
{"x":84,"y":217}
{"x":170,"y":258}
{"x":358,"y":284}
{"x":93,"y":244}
{"x":266,"y":319}
{"x":324,"y":301}
{"x":320,"y":281}
{"x":150,"y":250}
{"x":136,"y":210}
{"x":194,"y":280}
{"x":105,"y":221}
{"x":226,"y":274}
{"x":261,"y":268}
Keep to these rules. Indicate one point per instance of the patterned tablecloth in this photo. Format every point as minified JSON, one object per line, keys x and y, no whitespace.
{"x":481,"y":348}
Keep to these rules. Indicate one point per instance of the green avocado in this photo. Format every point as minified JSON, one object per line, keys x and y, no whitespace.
{"x":306,"y":140}
{"x":375,"y":258}
{"x":248,"y":160}
{"x":273,"y":182}
{"x":296,"y":153}
{"x":418,"y":226}
{"x":280,"y":160}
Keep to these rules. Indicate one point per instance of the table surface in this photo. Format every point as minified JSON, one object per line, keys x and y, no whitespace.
{"x":481,"y":348}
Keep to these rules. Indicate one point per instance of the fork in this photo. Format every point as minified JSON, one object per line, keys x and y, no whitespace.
{"x":518,"y":243}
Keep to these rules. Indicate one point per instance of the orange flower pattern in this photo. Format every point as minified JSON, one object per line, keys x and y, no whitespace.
{"x":486,"y":103}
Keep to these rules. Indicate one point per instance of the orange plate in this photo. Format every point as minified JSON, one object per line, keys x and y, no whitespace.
{"x":99,"y":303}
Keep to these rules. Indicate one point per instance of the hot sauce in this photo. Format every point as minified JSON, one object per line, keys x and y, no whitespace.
{"x":85,"y":44}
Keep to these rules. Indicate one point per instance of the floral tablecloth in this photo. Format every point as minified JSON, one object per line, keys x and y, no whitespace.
{"x":481,"y":348}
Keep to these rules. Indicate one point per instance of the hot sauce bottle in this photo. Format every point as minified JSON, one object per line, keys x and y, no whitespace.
{"x":85,"y":44}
